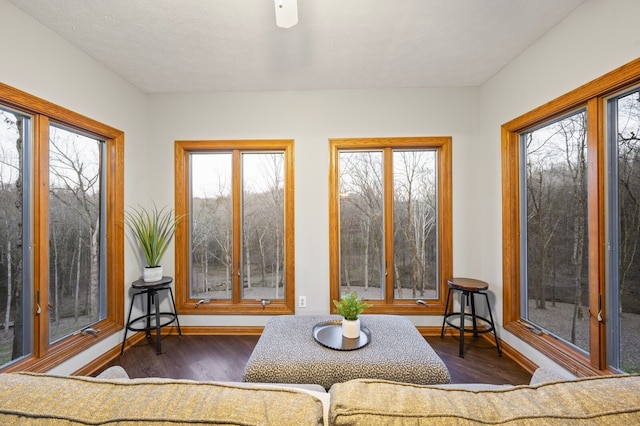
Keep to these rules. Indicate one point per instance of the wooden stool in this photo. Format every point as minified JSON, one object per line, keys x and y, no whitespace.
{"x":468,"y":288}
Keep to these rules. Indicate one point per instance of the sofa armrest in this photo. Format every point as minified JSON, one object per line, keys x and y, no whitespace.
{"x":544,"y":375}
{"x":115,"y":372}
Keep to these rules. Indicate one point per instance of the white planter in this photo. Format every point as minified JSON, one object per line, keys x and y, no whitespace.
{"x":351,"y":329}
{"x":152,"y":273}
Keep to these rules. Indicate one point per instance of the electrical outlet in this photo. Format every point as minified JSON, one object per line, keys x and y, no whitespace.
{"x":302,"y":301}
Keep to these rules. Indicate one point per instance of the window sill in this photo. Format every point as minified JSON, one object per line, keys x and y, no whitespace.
{"x":567,"y":357}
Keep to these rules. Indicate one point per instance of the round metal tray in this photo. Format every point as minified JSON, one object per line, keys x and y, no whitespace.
{"x":329,"y":334}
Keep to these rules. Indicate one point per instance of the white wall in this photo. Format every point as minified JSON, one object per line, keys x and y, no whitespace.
{"x":311,"y":118}
{"x":597,"y":38}
{"x":39,"y":62}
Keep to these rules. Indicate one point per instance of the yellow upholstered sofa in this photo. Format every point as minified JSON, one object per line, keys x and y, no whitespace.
{"x":114,"y":399}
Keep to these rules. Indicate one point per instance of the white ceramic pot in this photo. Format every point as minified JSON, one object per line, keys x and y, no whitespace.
{"x":152,"y":273}
{"x":351,"y":329}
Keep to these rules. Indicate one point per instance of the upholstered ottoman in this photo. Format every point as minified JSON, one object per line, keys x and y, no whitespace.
{"x":287,"y":353}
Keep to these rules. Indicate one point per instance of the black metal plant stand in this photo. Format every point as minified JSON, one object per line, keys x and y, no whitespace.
{"x":158,"y":319}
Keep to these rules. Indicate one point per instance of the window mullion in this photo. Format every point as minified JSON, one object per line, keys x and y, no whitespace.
{"x":388,"y":224}
{"x":41,"y":235}
{"x":237,"y":225}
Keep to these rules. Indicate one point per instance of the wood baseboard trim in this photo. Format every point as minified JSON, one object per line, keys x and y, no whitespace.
{"x":196,"y":330}
{"x":507,"y":350}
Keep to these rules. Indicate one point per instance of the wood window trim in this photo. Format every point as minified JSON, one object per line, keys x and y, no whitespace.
{"x":445,"y":242}
{"x":46,"y":356}
{"x":592,"y":97}
{"x":236,"y":306}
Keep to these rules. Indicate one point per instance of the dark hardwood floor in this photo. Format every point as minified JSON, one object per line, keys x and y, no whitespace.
{"x":223,"y":358}
{"x":481,"y":363}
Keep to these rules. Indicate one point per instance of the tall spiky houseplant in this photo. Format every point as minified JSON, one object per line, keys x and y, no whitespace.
{"x":153,"y":229}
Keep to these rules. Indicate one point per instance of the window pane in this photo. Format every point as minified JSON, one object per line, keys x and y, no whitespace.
{"x":75,"y":293}
{"x":211,"y":226}
{"x":628,"y":188}
{"x":15,"y":291}
{"x":263,"y":226}
{"x":361,"y":223}
{"x":415,"y":225}
{"x":556,"y":296}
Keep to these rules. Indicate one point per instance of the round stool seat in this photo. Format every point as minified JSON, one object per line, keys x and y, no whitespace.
{"x":468,"y":284}
{"x":150,"y":285}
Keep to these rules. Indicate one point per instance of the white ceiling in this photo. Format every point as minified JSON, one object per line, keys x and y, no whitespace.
{"x":235,"y":45}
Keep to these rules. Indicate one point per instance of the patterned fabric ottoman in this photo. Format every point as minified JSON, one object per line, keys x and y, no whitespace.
{"x":287,"y":353}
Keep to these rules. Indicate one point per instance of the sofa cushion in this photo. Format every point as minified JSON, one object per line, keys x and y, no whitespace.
{"x":595,"y":400}
{"x":29,"y":398}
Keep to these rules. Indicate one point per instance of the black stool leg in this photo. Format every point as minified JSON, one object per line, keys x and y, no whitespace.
{"x":463,"y":295}
{"x":495,"y":335}
{"x":148,"y":315}
{"x":158,"y":344}
{"x":446,"y":311}
{"x":472,"y":296}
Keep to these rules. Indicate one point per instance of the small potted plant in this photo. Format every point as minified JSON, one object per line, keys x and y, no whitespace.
{"x":350,"y":307}
{"x":153,"y":229}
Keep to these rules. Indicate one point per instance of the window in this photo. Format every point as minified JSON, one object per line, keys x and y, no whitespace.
{"x":390,"y":222}
{"x":623,"y":278}
{"x":235,"y":253}
{"x":60,"y":214}
{"x":571,"y":185}
{"x":554,"y":179}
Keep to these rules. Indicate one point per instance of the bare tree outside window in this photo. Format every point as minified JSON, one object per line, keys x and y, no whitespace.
{"x":362,"y":209}
{"x":15,"y":341}
{"x":74,"y":203}
{"x":557,"y":292}
{"x":361,"y":223}
{"x":74,"y":231}
{"x":262,"y":224}
{"x":415,"y":224}
{"x":556,"y":239}
{"x":211,"y":226}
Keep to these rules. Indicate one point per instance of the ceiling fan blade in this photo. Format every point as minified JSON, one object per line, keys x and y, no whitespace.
{"x":286,"y":13}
